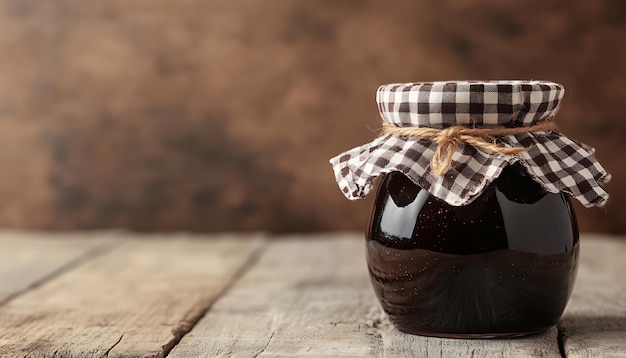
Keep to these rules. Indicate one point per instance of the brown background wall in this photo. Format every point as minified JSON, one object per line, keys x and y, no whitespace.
{"x":222,"y":114}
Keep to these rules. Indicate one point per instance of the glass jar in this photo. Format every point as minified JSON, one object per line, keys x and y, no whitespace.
{"x":472,"y":233}
{"x":504,"y":265}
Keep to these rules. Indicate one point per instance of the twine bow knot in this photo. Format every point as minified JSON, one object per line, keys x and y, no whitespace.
{"x":447,"y":139}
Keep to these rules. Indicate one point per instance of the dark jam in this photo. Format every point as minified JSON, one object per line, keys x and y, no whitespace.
{"x":503,"y":265}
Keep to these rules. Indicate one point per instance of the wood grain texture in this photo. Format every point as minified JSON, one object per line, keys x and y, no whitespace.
{"x":312,"y":297}
{"x":594,"y":324}
{"x":136,"y":300}
{"x":29,"y":258}
{"x":124,"y":295}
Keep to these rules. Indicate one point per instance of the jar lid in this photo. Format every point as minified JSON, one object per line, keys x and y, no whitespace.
{"x":468,"y":103}
{"x":555,"y":161}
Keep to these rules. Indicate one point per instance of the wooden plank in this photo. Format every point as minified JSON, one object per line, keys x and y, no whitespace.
{"x":312,"y":297}
{"x":30,"y":258}
{"x":594,"y":323}
{"x":136,"y":300}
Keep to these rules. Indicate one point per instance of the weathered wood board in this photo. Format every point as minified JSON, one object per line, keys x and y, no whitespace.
{"x":312,"y":297}
{"x":135,"y":300}
{"x":30,"y":258}
{"x":125,"y":295}
{"x":594,"y":323}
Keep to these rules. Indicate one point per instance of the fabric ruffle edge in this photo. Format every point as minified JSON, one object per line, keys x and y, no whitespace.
{"x":556,"y":162}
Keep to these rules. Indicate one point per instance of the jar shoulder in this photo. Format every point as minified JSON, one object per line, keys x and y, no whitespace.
{"x":514,"y":212}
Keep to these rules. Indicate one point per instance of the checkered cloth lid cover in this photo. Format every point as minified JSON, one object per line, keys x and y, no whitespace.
{"x":555,"y":161}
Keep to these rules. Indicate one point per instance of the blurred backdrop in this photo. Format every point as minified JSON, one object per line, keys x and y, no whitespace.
{"x":221,"y":115}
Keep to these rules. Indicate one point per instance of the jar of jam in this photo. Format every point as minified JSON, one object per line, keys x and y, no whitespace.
{"x":472,"y":233}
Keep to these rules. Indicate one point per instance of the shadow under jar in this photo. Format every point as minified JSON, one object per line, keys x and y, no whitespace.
{"x":503,"y":265}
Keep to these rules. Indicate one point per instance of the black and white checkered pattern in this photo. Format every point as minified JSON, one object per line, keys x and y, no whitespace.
{"x":469,"y":103}
{"x":558,"y":163}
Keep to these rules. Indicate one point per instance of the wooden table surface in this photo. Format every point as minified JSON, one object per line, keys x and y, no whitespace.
{"x":124,"y":295}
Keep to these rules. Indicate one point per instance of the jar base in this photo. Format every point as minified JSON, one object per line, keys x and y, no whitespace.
{"x":500,"y":335}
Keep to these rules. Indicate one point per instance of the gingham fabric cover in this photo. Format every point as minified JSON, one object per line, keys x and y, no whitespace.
{"x":555,"y":161}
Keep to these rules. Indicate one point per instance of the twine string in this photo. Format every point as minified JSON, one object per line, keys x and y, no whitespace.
{"x":447,"y":139}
